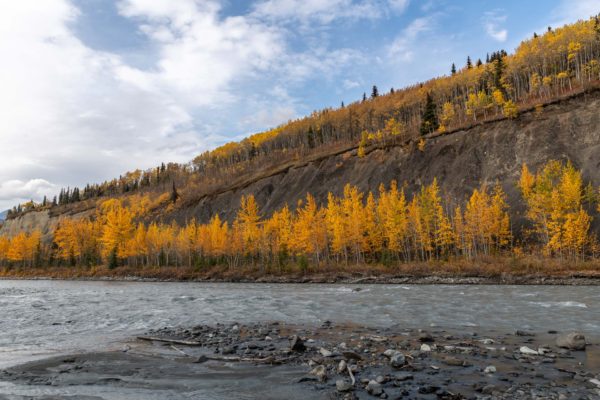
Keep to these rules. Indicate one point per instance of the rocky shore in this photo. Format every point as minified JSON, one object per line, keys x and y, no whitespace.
{"x":332,"y":361}
{"x":350,"y":279}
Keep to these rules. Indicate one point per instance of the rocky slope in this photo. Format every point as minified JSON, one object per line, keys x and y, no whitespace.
{"x":486,"y":153}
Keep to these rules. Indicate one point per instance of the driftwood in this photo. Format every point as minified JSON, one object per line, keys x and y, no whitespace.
{"x":173,"y":341}
{"x":351,"y":375}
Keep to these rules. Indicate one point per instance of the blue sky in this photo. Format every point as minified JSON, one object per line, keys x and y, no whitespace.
{"x":93,"y":88}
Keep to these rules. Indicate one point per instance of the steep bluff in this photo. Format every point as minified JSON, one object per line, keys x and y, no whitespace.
{"x":491,"y":152}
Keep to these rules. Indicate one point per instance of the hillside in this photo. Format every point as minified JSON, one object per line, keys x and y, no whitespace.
{"x":471,"y":154}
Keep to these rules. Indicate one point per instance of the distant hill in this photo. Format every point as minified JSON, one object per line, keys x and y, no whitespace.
{"x":3,"y":215}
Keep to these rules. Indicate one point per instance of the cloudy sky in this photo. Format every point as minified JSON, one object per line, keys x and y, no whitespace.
{"x":92,"y":88}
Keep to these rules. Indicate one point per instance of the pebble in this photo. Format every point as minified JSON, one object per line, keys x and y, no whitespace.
{"x":325,"y":353}
{"x":489,"y":369}
{"x":571,"y":341}
{"x":374,"y":388}
{"x":425,"y":347}
{"x":527,"y":350}
{"x":320,"y":372}
{"x":397,"y":360}
{"x":342,"y":366}
{"x":297,"y":344}
{"x":342,"y":385}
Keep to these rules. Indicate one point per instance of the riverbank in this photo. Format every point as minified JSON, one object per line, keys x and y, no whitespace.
{"x":331,"y":361}
{"x":486,"y":272}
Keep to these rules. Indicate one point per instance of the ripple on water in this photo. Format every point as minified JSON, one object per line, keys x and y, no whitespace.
{"x":550,"y":304}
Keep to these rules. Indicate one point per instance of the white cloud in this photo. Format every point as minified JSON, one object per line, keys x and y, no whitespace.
{"x":492,"y":23}
{"x":402,"y":48}
{"x":398,"y":5}
{"x":326,"y":11}
{"x":72,"y":114}
{"x":33,"y":189}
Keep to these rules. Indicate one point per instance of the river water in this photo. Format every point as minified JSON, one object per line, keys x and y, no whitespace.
{"x":44,"y":318}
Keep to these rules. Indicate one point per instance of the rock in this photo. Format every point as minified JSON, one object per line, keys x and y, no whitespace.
{"x":488,"y":389}
{"x":351,"y":355}
{"x":342,"y":366}
{"x":228,"y":350}
{"x":571,"y":341}
{"x":342,"y":385}
{"x":425,"y":347}
{"x":524,"y":333}
{"x":201,"y":359}
{"x":595,"y":382}
{"x":325,"y":353}
{"x":453,"y":361}
{"x":528,"y":351}
{"x":489,"y":369}
{"x":404,"y":376}
{"x":320,"y":372}
{"x":425,"y":337}
{"x":389,"y":353}
{"x":487,"y":341}
{"x":297,"y":344}
{"x":381,"y":379}
{"x":397,"y":360}
{"x":374,"y":388}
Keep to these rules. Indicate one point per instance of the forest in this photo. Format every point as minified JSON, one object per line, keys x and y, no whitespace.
{"x":547,"y":67}
{"x":384,"y":228}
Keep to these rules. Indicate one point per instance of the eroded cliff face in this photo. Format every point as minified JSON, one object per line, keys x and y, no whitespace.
{"x":490,"y":153}
{"x":461,"y":161}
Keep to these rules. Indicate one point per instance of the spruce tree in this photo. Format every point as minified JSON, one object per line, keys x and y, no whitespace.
{"x":469,"y":63}
{"x":374,"y":92}
{"x":453,"y":69}
{"x":174,"y":194}
{"x":429,"y":120}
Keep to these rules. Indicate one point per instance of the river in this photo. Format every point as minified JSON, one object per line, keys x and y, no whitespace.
{"x":45,"y":318}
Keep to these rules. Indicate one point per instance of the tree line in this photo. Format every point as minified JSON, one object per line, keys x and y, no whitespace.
{"x":381,"y":228}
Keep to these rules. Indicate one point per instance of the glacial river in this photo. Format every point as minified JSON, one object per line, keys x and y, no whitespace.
{"x":43,"y":318}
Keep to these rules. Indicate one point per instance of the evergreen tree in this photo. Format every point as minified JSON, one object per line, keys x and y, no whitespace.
{"x":469,"y":63}
{"x":54,"y":203}
{"x":44,"y":201}
{"x":374,"y":92}
{"x":174,"y":194}
{"x":453,"y":69}
{"x":429,"y":120}
{"x":392,"y":91}
{"x":479,"y":63}
{"x":342,"y":106}
{"x":364,"y":97}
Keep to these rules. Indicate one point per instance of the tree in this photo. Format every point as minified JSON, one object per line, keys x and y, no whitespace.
{"x":429,"y":120}
{"x":374,"y":92}
{"x":453,"y":69}
{"x":174,"y":194}
{"x":469,"y":63}
{"x":363,"y":143}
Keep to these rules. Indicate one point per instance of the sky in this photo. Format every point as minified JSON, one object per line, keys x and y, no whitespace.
{"x":90,"y":89}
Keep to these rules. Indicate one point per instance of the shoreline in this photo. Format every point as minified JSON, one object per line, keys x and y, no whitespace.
{"x":342,"y":279}
{"x":329,"y":361}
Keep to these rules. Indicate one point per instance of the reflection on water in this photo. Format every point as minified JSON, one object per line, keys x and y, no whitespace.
{"x":46,"y":317}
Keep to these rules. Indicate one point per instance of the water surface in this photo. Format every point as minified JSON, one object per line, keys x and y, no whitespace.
{"x":41,"y":318}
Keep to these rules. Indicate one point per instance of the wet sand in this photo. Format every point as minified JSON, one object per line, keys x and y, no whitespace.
{"x":266,"y":361}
